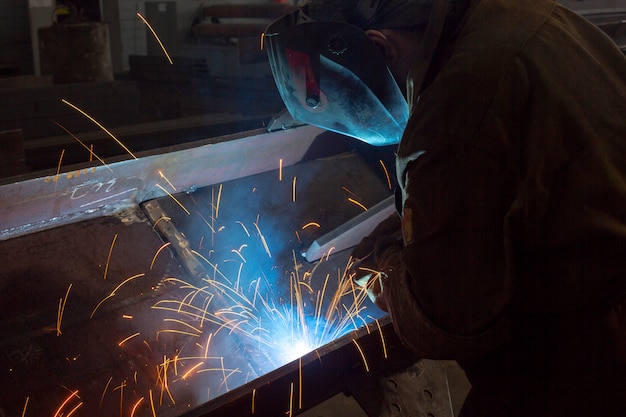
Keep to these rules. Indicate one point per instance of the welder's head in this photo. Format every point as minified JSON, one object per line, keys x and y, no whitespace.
{"x":331,"y":74}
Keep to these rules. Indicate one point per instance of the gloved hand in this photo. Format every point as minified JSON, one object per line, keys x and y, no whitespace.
{"x":375,"y":257}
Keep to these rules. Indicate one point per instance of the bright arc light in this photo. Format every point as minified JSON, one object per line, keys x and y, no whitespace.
{"x":296,"y":350}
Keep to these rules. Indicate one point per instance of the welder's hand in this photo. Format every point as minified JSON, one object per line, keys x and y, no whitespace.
{"x":369,"y":263}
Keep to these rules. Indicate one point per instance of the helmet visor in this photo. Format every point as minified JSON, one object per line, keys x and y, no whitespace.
{"x":331,"y":75}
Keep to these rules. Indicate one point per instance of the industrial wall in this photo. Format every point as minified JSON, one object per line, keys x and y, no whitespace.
{"x":173,"y":19}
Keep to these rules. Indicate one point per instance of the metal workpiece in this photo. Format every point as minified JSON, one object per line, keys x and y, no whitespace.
{"x":44,"y":200}
{"x":350,"y":233}
{"x":173,"y":283}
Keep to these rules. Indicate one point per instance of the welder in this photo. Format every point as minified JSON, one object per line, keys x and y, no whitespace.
{"x":511,"y":167}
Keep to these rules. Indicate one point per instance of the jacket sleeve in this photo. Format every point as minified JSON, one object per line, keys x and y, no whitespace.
{"x":448,"y":300}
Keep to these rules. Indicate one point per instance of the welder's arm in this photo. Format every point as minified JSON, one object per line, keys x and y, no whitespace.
{"x":367,"y":269}
{"x":448,"y":300}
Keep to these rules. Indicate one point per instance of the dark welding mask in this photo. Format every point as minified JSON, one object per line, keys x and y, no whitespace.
{"x":331,"y":75}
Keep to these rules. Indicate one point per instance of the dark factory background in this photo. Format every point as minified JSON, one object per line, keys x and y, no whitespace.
{"x":102,"y":57}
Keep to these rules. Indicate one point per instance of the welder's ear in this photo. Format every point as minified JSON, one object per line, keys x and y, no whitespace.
{"x":386,"y":46}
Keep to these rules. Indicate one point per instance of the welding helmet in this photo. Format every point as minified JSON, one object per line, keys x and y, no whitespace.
{"x":330,"y":74}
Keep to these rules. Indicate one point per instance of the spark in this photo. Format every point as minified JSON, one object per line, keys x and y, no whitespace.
{"x":224,"y":372}
{"x":192,"y":369}
{"x":349,"y":192}
{"x":352,"y":200}
{"x":128,"y":338}
{"x":89,"y":148}
{"x":132,"y":413}
{"x":173,"y":198}
{"x":186,"y":324}
{"x":367,"y":368}
{"x":253,"y":398}
{"x":382,"y":338}
{"x":158,"y":251}
{"x":114,"y":291}
{"x":126,"y":316}
{"x":166,"y":218}
{"x":219,"y":198}
{"x":267,"y":249}
{"x":176,"y":331}
{"x":60,"y":159}
{"x":280,"y":169}
{"x":74,"y":409}
{"x":262,"y":40}
{"x":208,"y":343}
{"x":244,"y":228}
{"x":152,"y":405}
{"x":293,"y":190}
{"x":106,"y":266}
{"x":386,"y":173}
{"x":121,"y":388}
{"x":291,"y":400}
{"x":167,"y":180}
{"x":73,"y":394}
{"x":62,"y":303}
{"x":103,"y":393}
{"x":99,"y":125}
{"x":311,"y":224}
{"x":25,"y":405}
{"x":155,"y":36}
{"x":238,"y":252}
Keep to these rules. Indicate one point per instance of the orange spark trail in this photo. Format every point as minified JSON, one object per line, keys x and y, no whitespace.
{"x":106,"y":267}
{"x":174,"y":198}
{"x":352,"y":200}
{"x":192,"y":369}
{"x":25,"y":405}
{"x":262,"y":40}
{"x":74,"y":409}
{"x":163,"y":246}
{"x":167,"y":180}
{"x":90,"y":149}
{"x":293,"y":190}
{"x":155,"y":36}
{"x":152,"y":405}
{"x":60,"y":159}
{"x":113,"y":292}
{"x":74,"y":394}
{"x":100,"y":126}
{"x":62,"y":303}
{"x":367,"y":368}
{"x":382,"y":338}
{"x":291,"y":400}
{"x":280,"y":169}
{"x":311,"y":224}
{"x":132,"y":413}
{"x":103,"y":393}
{"x":386,"y":173}
{"x":219,"y":198}
{"x":128,"y":338}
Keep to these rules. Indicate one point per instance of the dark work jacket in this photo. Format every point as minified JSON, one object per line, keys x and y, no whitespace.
{"x":513,"y":177}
